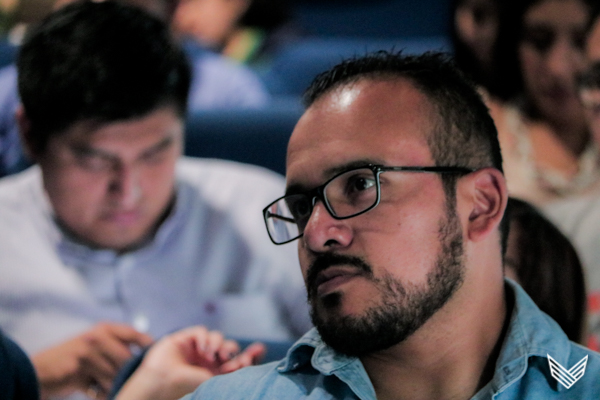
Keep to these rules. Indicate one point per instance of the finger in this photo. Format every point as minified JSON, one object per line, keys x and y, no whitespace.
{"x":95,"y":392}
{"x":256,"y":351}
{"x":104,"y":342}
{"x":229,"y":349}
{"x":127,"y":334}
{"x":215,"y":340}
{"x":99,"y":370}
{"x":196,"y":336}
{"x":99,"y":390}
{"x":250,"y":356}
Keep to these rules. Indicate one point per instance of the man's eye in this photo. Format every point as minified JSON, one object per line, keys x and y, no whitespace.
{"x":541,"y":40}
{"x":359,"y":184}
{"x":299,"y":208}
{"x":156,"y":156}
{"x":93,"y":163}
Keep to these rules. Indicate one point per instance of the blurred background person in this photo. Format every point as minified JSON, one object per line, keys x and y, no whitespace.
{"x":17,"y":376}
{"x":589,"y":85}
{"x":248,"y":31}
{"x":544,"y":262}
{"x":579,"y":217}
{"x":174,"y":366}
{"x":536,"y":55}
{"x":217,"y":83}
{"x":474,"y":30}
{"x":113,"y":233}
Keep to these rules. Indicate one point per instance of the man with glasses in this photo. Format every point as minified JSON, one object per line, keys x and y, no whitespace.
{"x":395,"y":195}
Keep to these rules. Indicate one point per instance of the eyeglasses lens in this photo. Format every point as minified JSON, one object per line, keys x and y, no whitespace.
{"x":346,"y":195}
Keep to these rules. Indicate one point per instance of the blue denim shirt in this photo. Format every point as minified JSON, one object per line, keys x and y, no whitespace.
{"x":312,"y":370}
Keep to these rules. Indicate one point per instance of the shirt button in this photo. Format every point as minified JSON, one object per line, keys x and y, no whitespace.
{"x":141,"y":323}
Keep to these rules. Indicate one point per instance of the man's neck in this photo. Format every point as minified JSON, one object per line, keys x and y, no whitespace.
{"x":443,"y":364}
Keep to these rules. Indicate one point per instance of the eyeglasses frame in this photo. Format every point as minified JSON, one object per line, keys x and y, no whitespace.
{"x":318,"y":193}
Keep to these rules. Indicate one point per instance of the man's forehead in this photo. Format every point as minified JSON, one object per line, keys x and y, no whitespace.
{"x":388,"y":120}
{"x":136,"y":134}
{"x":369,"y":107}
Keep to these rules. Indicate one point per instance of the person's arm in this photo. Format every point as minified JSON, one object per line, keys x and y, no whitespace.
{"x":179,"y":362}
{"x":89,"y":361}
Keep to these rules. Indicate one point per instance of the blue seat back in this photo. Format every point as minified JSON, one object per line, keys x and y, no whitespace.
{"x":296,"y":65}
{"x":257,"y":137}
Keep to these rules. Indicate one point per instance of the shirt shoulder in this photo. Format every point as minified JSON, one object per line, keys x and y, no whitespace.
{"x":547,"y":378}
{"x":21,"y":190}
{"x":266,"y":382}
{"x":225,"y":180}
{"x":255,"y":382}
{"x":218,"y":82}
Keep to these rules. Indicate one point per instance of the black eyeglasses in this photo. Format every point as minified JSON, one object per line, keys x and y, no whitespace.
{"x":346,"y":195}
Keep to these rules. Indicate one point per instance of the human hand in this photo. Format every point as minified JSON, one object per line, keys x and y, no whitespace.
{"x":90,"y":360}
{"x":179,"y":362}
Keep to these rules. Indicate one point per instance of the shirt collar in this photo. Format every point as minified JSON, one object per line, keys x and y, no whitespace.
{"x":310,"y":348}
{"x":531,"y":333}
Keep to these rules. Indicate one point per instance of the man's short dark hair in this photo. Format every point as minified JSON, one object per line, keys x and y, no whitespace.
{"x":101,"y":61}
{"x":464,"y":134}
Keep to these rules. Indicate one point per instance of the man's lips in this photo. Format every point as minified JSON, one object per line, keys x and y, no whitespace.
{"x":332,"y":277}
{"x":123,"y":217}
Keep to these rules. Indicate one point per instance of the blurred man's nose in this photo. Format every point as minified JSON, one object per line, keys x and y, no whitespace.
{"x":125,"y":186}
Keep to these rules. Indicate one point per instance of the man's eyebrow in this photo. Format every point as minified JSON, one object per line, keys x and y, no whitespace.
{"x":84,"y":150}
{"x":330,"y":172}
{"x":162,"y":145}
{"x":295,"y":188}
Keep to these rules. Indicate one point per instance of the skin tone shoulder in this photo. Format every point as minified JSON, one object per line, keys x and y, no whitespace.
{"x":388,"y":122}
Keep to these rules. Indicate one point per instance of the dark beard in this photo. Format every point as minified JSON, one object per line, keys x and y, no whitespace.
{"x":403,"y":308}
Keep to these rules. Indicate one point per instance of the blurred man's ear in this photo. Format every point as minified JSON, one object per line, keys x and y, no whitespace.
{"x":31,"y":148}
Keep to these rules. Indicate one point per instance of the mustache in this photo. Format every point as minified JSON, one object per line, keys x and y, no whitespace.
{"x":325,"y":260}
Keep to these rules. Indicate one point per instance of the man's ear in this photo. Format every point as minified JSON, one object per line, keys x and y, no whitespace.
{"x":30,"y":146}
{"x":487,"y":195}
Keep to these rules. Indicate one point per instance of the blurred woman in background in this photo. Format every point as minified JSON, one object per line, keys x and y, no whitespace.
{"x":536,"y":55}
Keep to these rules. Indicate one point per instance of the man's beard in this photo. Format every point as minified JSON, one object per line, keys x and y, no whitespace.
{"x":403,"y":308}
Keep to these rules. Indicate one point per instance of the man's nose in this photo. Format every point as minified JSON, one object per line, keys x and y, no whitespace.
{"x":564,"y":60}
{"x":125,"y":185}
{"x":323,"y":232}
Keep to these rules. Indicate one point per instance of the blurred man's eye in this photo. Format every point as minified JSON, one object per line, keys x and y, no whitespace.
{"x":93,"y":163}
{"x":154,"y":157}
{"x":540,"y":39}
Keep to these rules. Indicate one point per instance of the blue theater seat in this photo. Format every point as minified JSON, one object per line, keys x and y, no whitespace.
{"x":374,"y":18}
{"x":293,"y":68}
{"x":8,"y":52}
{"x":250,"y":136}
